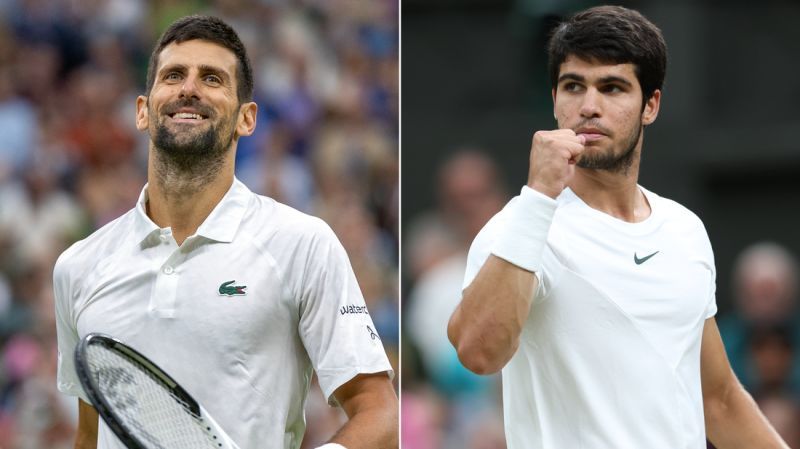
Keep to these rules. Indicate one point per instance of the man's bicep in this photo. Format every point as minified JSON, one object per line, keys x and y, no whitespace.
{"x":715,"y":370}
{"x":88,"y":420}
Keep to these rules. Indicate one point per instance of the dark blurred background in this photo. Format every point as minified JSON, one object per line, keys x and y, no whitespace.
{"x":71,"y":160}
{"x":475,"y":89}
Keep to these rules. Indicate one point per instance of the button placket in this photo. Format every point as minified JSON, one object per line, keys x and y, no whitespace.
{"x":165,"y":290}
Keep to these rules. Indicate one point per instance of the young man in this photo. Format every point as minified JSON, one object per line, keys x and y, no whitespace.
{"x":595,"y":296}
{"x":233,"y":294}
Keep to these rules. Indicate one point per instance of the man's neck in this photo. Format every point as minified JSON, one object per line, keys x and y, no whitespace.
{"x":183,"y":201}
{"x":616,"y":194}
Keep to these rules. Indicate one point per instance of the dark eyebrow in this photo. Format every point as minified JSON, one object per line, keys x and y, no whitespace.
{"x":173,"y":68}
{"x":204,"y":68}
{"x":572,"y":77}
{"x":615,"y":80}
{"x":604,"y":80}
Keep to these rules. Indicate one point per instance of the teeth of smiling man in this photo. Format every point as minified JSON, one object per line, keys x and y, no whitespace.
{"x":187,"y":115}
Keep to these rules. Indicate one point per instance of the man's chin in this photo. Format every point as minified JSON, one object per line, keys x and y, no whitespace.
{"x":184,"y":138}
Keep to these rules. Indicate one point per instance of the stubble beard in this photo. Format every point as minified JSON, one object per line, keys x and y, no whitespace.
{"x":187,"y":160}
{"x":609,"y":161}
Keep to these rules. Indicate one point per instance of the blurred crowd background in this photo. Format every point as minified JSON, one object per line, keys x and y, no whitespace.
{"x":71,"y":159}
{"x":327,"y":143}
{"x":475,"y":89}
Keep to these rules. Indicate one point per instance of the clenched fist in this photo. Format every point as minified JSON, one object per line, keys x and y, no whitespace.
{"x":552,"y":161}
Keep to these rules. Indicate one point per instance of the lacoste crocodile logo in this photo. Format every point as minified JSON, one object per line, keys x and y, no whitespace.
{"x":643,"y":259}
{"x":226,"y":289}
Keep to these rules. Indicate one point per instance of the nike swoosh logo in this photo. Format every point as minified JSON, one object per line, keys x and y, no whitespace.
{"x":643,"y":259}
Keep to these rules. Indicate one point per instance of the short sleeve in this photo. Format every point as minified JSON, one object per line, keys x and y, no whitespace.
{"x":66,"y":331}
{"x":335,"y":325}
{"x":706,"y":252}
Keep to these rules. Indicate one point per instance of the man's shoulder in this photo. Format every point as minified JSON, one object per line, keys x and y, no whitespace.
{"x":270,"y":217}
{"x":673,"y":210}
{"x":98,"y":244}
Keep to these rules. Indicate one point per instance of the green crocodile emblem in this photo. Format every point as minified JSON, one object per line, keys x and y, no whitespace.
{"x":232,"y":290}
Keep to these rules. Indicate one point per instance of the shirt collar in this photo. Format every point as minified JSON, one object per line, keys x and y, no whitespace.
{"x":221,"y":225}
{"x":226,"y":217}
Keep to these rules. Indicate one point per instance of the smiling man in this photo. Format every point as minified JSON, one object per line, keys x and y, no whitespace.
{"x":595,"y":296}
{"x":233,"y":294}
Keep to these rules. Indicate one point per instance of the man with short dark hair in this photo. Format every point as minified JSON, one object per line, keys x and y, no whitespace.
{"x":236,"y":296}
{"x":595,"y":296}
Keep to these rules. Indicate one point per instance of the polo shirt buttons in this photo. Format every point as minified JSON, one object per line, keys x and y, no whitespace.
{"x":163,"y":238}
{"x":168,"y":270}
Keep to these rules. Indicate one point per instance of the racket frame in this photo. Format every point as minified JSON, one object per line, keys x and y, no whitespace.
{"x":104,"y":408}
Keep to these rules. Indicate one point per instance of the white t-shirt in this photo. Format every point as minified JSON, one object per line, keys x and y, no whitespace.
{"x":609,"y":356}
{"x":238,"y":314}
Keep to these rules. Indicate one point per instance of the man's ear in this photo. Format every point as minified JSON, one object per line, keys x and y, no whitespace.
{"x":141,"y":113}
{"x":246,"y":123}
{"x":553,"y":94}
{"x":651,"y":107}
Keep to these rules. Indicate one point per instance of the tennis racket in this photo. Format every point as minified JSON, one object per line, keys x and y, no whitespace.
{"x":141,"y":403}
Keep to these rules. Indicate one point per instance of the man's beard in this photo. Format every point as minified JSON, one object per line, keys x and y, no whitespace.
{"x":191,"y":153}
{"x":615,"y":163}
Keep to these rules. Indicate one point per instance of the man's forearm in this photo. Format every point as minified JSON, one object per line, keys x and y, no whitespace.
{"x":88,"y":421}
{"x":371,"y":428}
{"x":734,"y":421}
{"x":370,"y":402}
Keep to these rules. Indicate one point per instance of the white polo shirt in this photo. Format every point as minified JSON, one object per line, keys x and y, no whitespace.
{"x":609,"y":356}
{"x":238,"y":314}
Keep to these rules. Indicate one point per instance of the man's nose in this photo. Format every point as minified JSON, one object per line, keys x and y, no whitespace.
{"x":591,"y":103}
{"x":189,"y":88}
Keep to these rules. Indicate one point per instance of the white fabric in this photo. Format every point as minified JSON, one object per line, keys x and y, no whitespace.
{"x":525,"y":225}
{"x":246,"y":358}
{"x":332,"y":446}
{"x":610,"y":353}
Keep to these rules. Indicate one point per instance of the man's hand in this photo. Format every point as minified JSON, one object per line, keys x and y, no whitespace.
{"x":552,"y":160}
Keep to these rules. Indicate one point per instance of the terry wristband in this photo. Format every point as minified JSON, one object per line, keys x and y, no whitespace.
{"x":523,"y":232}
{"x":331,"y":446}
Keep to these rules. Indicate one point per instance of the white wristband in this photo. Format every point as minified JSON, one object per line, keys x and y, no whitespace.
{"x":523,"y":233}
{"x":331,"y":446}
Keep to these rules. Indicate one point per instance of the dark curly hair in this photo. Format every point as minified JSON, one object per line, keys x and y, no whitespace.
{"x":611,"y":34}
{"x":210,"y":29}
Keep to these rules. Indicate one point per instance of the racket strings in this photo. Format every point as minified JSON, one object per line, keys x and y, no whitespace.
{"x":146,"y":406}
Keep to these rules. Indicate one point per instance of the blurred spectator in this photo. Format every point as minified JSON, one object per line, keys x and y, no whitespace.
{"x":763,"y":337}
{"x":423,"y":416}
{"x":771,"y":350}
{"x":469,"y":193}
{"x":17,"y":126}
{"x":71,"y":158}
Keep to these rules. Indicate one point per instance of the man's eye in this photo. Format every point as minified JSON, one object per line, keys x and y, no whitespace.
{"x":572,"y":87}
{"x":613,"y":89}
{"x":172,"y":76}
{"x":212,"y":79}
